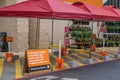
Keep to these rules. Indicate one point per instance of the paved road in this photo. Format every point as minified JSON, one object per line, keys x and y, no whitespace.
{"x":102,"y":71}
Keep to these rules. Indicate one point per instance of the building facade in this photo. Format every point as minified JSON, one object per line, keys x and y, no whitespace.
{"x":115,"y":3}
{"x":98,"y":3}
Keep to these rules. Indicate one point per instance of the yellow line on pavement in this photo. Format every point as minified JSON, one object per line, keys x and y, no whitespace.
{"x":65,"y":64}
{"x":86,"y":54}
{"x":112,"y":50}
{"x":80,"y":64}
{"x":1,"y":66}
{"x":78,"y":56}
{"x":54,"y":68}
{"x":98,"y":59}
{"x":81,"y":50}
{"x":95,"y":53}
{"x":93,"y":56}
{"x":18,"y":69}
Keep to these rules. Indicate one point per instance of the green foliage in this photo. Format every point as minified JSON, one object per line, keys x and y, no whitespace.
{"x":81,"y":33}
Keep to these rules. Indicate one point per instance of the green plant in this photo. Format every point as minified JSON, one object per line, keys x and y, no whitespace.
{"x":71,"y":28}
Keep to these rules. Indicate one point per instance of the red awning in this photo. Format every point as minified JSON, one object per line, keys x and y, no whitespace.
{"x":97,"y":12}
{"x":112,"y":9}
{"x":44,"y":9}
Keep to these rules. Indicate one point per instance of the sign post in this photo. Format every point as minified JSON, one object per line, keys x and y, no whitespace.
{"x":59,"y":60}
{"x":9,"y":55}
{"x":93,"y":45}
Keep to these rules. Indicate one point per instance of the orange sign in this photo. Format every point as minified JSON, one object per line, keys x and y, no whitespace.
{"x":9,"y":39}
{"x":98,"y":3}
{"x":37,"y":57}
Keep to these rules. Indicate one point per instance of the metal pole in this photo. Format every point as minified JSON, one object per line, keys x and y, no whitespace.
{"x":36,"y":38}
{"x":59,"y":49}
{"x":103,"y":44}
{"x":98,"y":24}
{"x":52,"y":38}
{"x":90,"y":54}
{"x":52,"y":33}
{"x":9,"y":47}
{"x":37,"y":34}
{"x":38,"y":23}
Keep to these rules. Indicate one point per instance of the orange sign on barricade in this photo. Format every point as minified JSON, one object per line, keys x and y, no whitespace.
{"x":9,"y":39}
{"x":38,"y":60}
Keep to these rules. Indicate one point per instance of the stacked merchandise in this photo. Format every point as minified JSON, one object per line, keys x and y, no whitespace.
{"x":113,"y":34}
{"x":81,"y":36}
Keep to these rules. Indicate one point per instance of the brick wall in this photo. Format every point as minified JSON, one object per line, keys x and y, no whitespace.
{"x":15,"y":27}
{"x":45,"y":32}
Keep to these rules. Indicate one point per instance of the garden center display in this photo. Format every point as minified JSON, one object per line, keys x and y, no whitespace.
{"x":79,"y":35}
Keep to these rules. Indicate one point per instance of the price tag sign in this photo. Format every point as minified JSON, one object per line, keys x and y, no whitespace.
{"x":67,"y":29}
{"x":67,"y":42}
{"x":38,"y":59}
{"x":102,"y":29}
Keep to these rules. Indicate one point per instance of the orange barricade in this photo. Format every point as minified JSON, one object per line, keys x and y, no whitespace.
{"x":63,"y":51}
{"x":103,"y":53}
{"x":9,"y":57}
{"x":59,"y":63}
{"x":93,"y":47}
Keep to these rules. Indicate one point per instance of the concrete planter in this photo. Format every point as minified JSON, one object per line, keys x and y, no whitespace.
{"x":88,"y":60}
{"x":105,"y":58}
{"x":117,"y":55}
{"x":73,"y":63}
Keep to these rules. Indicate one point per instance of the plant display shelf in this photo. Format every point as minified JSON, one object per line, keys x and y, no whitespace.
{"x":80,"y":35}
